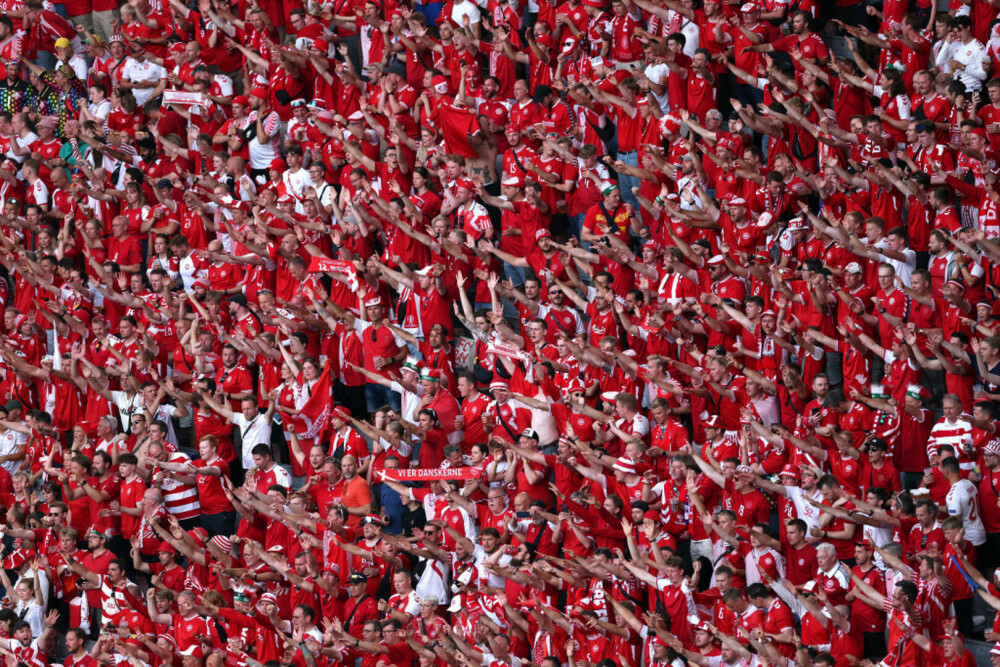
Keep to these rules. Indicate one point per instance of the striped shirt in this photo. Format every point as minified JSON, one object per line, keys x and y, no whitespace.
{"x":958,"y":434}
{"x":180,"y":499}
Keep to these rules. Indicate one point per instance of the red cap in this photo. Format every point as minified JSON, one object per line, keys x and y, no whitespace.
{"x":277,"y":164}
{"x":440,"y":84}
{"x":465,"y":183}
{"x":545,"y":40}
{"x":199,"y":534}
{"x":17,"y":558}
{"x":790,"y":471}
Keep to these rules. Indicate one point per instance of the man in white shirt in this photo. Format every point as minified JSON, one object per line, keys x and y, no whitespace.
{"x":152,"y":403}
{"x":13,"y":444}
{"x":295,"y":178}
{"x":265,"y":134}
{"x":954,"y":428}
{"x":254,"y":428}
{"x":142,"y":76}
{"x":962,"y":55}
{"x":38,"y":192}
{"x":962,"y":501}
{"x":22,"y":137}
{"x":898,"y":255}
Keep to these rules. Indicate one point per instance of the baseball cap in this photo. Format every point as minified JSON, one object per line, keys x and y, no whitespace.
{"x":790,"y":471}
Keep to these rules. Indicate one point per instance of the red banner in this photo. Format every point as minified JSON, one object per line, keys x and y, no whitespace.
{"x":318,"y":264}
{"x":323,"y":264}
{"x":427,"y":474}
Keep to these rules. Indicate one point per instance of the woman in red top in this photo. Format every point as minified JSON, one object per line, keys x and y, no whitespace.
{"x":132,"y":208}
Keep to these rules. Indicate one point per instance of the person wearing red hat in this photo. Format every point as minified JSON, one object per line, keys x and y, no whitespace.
{"x":344,"y":439}
{"x":505,"y":418}
{"x":517,"y":152}
{"x":264,"y":135}
{"x":568,"y":416}
{"x":233,"y":131}
{"x":469,"y":213}
{"x":540,"y":56}
{"x":653,"y":537}
{"x":166,"y":572}
{"x":871,"y":621}
{"x":626,"y":483}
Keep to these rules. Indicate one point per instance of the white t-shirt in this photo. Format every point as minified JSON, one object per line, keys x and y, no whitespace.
{"x":136,"y":71}
{"x":38,"y":193}
{"x":23,"y":142}
{"x":963,"y":501}
{"x":79,"y":66}
{"x":127,"y":406}
{"x":101,"y":109}
{"x":165,"y":413}
{"x":31,"y":613}
{"x":804,"y":510}
{"x":658,"y":74}
{"x":295,"y":185}
{"x":465,"y":8}
{"x":255,"y":432}
{"x":261,"y":154}
{"x":10,"y":441}
{"x":190,"y":272}
{"x":903,"y":269}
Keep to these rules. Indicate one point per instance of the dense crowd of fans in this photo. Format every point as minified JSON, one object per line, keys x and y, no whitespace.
{"x":612,"y":332}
